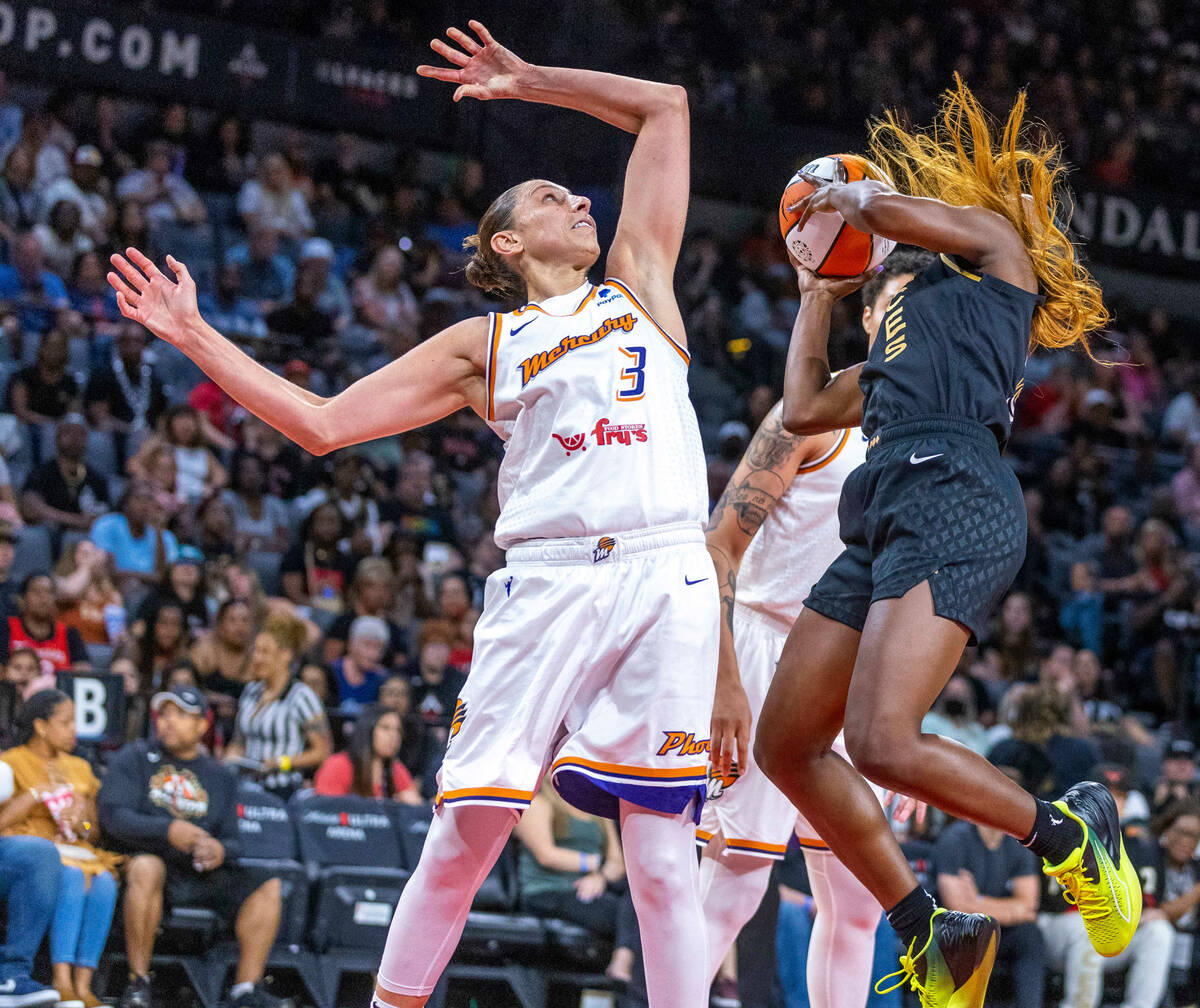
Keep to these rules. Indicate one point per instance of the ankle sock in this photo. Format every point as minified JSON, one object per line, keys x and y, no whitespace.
{"x":1054,"y":835}
{"x":911,"y":916}
{"x":238,"y":989}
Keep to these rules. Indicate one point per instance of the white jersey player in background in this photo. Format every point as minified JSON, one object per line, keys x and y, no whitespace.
{"x":595,"y":657}
{"x":772,"y":534}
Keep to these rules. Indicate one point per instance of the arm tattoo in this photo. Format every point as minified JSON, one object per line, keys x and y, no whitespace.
{"x":726,"y":588}
{"x":771,"y":444}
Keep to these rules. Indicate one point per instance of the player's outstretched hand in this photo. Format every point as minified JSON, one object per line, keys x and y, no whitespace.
{"x":905,"y":807}
{"x":147,"y":295}
{"x":485,"y":69}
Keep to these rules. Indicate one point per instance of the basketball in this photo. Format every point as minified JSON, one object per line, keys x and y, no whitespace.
{"x":826,"y":244}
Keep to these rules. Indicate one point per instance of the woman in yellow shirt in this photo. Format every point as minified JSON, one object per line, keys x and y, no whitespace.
{"x":55,"y":798}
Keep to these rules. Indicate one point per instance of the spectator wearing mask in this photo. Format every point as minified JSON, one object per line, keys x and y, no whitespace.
{"x":173,"y":810}
{"x":953,"y":716}
{"x":370,"y":765}
{"x":38,"y":293}
{"x":58,"y":646}
{"x":140,"y":548}
{"x":30,"y":871}
{"x":281,"y":734}
{"x":359,"y":673}
{"x":981,"y":870}
{"x":64,"y":493}
{"x":58,"y":802}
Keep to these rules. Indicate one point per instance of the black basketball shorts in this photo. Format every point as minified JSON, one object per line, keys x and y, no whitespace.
{"x":934,"y":501}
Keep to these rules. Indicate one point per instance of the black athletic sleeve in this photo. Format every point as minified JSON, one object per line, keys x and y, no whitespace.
{"x":120,"y":802}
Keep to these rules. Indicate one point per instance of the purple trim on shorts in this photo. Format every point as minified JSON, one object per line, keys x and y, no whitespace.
{"x":601,"y":797}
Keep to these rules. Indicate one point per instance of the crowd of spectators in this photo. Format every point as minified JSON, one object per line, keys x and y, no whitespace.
{"x":314,"y":617}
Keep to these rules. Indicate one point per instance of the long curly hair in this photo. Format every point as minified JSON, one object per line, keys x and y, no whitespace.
{"x":967,"y":158}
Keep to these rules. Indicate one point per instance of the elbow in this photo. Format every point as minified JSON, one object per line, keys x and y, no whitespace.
{"x":799,"y":419}
{"x":673,"y":101}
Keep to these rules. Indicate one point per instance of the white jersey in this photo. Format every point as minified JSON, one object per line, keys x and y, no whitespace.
{"x":590,"y":396}
{"x":800,"y":537}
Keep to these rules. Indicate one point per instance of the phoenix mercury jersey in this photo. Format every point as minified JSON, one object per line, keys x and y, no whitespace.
{"x":590,"y":396}
{"x":799,"y":538}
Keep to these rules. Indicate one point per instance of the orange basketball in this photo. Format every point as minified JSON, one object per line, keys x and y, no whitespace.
{"x":826,"y":244}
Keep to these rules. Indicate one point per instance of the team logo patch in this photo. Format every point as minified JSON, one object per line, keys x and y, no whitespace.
{"x":460,"y":715}
{"x":530,"y":367}
{"x":683,"y":744}
{"x":604,"y":547}
{"x":606,"y":294}
{"x":719,"y":783}
{"x":179,"y":792}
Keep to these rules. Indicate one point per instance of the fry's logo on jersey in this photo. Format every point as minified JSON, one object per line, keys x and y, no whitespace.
{"x":606,"y":433}
{"x":571,"y":443}
{"x":531,"y":366}
{"x":604,"y":547}
{"x":683,"y":744}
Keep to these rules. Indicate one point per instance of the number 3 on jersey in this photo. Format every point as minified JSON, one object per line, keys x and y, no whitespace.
{"x":634,"y":375}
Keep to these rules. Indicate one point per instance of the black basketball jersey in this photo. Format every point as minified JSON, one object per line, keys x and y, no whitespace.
{"x":952,"y":342}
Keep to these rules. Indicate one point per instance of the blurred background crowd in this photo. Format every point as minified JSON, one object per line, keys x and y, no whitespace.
{"x":149,"y":527}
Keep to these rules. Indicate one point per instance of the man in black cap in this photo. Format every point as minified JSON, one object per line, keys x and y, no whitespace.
{"x":1179,"y":780}
{"x":173,"y":809}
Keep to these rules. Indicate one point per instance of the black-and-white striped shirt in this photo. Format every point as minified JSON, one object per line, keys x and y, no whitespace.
{"x":278,"y":728}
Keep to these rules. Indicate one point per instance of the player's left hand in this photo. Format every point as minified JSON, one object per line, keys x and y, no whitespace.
{"x":729,"y":732}
{"x":486,"y":70}
{"x":905,"y":807}
{"x":145,"y":294}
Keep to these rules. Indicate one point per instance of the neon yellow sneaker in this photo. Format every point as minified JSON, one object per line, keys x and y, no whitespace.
{"x":953,"y":968}
{"x":1098,"y":877}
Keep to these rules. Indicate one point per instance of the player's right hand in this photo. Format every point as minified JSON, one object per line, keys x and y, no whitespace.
{"x":835,"y":287}
{"x":486,"y":70}
{"x":729,"y":732}
{"x":145,"y":294}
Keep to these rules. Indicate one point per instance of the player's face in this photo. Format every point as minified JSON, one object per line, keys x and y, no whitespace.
{"x":553,"y":224}
{"x":872,"y":314}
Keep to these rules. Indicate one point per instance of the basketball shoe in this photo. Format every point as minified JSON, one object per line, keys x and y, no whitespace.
{"x":1098,"y":876}
{"x":952,"y":969}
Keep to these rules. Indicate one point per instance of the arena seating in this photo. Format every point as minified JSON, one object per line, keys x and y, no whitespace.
{"x":342,"y":863}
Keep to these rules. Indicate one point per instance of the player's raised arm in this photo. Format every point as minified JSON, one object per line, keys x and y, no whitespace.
{"x":814,"y":399}
{"x":654,"y":207}
{"x":436,"y":378}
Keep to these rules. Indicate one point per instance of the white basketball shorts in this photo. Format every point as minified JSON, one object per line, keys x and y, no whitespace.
{"x":752,"y":814}
{"x":595,"y":660}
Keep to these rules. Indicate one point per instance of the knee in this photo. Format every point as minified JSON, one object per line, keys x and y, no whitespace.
{"x":776,"y":756}
{"x":145,"y":872}
{"x":32,"y":857}
{"x":270,"y":893}
{"x":881,"y":753}
{"x":104,"y":887}
{"x":1160,"y":933}
{"x":657,"y":876}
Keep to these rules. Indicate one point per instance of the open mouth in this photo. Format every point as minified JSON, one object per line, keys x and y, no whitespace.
{"x":586,"y":223}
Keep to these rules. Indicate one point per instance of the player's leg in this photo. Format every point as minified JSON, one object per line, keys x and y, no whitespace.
{"x":463,"y":844}
{"x":660,"y":861}
{"x":842,"y":948}
{"x":731,"y":888}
